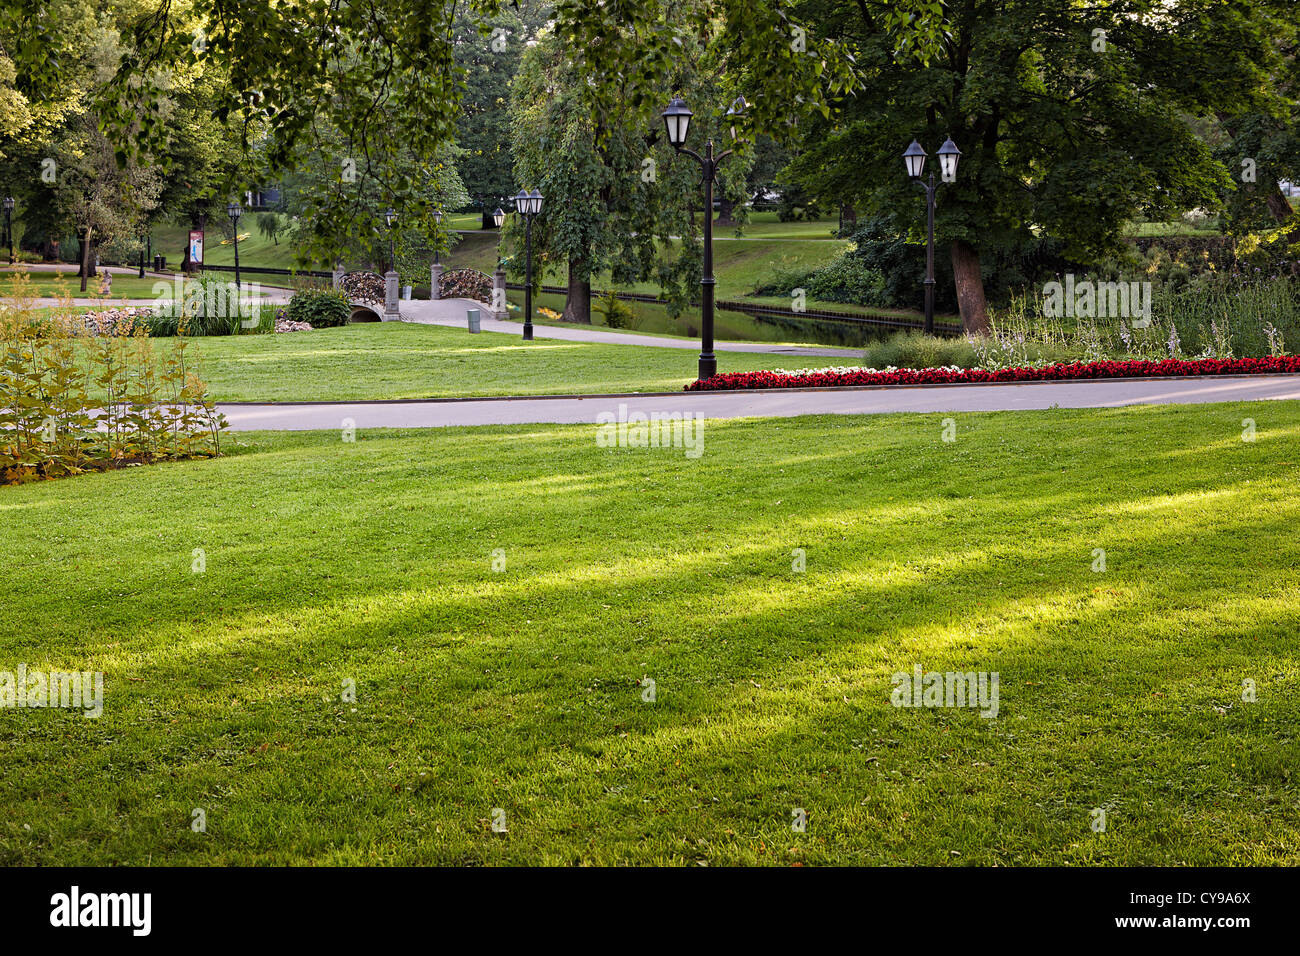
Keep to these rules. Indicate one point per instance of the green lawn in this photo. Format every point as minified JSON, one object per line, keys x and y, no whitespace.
{"x":51,"y":284}
{"x":401,"y":360}
{"x":329,"y":562}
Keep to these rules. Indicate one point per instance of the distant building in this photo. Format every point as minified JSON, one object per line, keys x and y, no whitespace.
{"x":262,"y":199}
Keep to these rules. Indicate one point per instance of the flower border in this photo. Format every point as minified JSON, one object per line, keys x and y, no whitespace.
{"x":1139,"y":368}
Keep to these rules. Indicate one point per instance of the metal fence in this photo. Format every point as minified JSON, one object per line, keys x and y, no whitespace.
{"x":772,"y":311}
{"x":267,"y":270}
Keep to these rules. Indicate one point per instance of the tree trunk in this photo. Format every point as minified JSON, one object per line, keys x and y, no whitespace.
{"x":577,"y":304}
{"x":848,"y":217}
{"x":85,"y":259}
{"x":1278,"y":205}
{"x":970,"y":288}
{"x":726,"y":209}
{"x":487,"y":221}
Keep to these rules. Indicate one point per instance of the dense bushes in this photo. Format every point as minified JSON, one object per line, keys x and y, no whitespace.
{"x":319,"y":308}
{"x":917,"y":350}
{"x":846,"y":279}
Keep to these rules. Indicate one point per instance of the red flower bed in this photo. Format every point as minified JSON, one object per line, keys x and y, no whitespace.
{"x":1171,"y":368}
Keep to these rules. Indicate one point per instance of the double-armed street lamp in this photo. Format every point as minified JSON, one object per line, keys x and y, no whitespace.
{"x":677,"y":121}
{"x":914,"y":158}
{"x":9,"y":225}
{"x":234,"y":211}
{"x":528,"y":204}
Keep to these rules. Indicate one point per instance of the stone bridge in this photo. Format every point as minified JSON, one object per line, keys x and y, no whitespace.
{"x":460,"y":280}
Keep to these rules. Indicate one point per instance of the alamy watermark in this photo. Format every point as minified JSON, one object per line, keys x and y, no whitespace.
{"x":226,"y":299}
{"x":626,"y":429}
{"x":1088,"y":299}
{"x":126,"y":910}
{"x":83,"y":690}
{"x":974,"y":689}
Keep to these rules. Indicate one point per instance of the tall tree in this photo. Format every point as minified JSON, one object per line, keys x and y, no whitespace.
{"x":489,"y":52}
{"x":616,"y":194}
{"x":386,"y":78}
{"x":1068,"y":114}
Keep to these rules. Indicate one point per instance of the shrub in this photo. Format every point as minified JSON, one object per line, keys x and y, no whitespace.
{"x":209,"y":306}
{"x":618,"y":314}
{"x":918,"y":350}
{"x":849,"y":280}
{"x":320,"y":308}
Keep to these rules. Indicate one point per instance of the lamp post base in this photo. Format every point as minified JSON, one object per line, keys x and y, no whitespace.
{"x":708,"y":365}
{"x":391,"y":313}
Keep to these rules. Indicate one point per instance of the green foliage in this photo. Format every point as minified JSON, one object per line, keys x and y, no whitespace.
{"x":210,"y":306}
{"x":1058,"y":135}
{"x":483,"y":131}
{"x":323,"y":308}
{"x":917,"y":350}
{"x":69,"y":404}
{"x":270,"y":224}
{"x":616,"y":192}
{"x":618,"y":314}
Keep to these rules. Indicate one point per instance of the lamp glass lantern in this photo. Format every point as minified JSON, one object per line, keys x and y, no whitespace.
{"x":914,"y":159}
{"x":234,"y":211}
{"x":437,"y":217}
{"x":498,"y":217}
{"x":949,"y":154}
{"x":9,"y":203}
{"x":736,"y":111}
{"x":677,"y":120}
{"x":390,"y":217}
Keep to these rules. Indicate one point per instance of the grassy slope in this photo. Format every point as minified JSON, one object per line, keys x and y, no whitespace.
{"x":400,"y":360}
{"x":329,"y":561}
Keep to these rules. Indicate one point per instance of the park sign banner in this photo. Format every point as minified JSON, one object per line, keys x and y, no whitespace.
{"x":196,"y":246}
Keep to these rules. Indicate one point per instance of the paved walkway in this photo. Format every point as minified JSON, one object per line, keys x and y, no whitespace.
{"x":451,"y":313}
{"x":783,"y":403}
{"x":271,"y":295}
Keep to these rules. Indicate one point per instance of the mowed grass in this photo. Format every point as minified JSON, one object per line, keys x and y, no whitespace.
{"x":522,"y":690}
{"x":404,"y":360}
{"x":57,"y":284}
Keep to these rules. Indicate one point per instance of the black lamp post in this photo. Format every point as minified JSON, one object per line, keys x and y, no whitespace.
{"x":914,"y":159}
{"x":677,"y":120}
{"x":529,"y":204}
{"x":390,"y":217}
{"x":9,"y":225}
{"x":234,"y":211}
